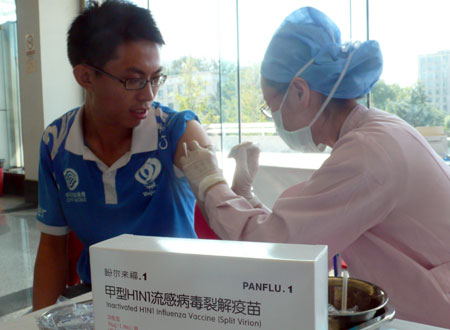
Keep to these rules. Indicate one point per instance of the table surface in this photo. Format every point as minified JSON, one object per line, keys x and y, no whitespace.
{"x":28,"y":322}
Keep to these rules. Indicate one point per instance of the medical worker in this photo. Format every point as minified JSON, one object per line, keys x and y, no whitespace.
{"x":382,"y":198}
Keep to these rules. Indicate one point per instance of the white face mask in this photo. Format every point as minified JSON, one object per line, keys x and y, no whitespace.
{"x":301,"y":139}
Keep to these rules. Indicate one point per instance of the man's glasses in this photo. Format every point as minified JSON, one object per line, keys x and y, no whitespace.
{"x":135,"y":83}
{"x":265,"y":110}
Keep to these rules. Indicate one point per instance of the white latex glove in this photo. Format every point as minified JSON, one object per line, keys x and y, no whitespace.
{"x":246,"y":155}
{"x":200,"y":168}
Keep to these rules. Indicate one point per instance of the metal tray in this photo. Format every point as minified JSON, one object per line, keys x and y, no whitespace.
{"x":386,"y":314}
{"x":74,"y":316}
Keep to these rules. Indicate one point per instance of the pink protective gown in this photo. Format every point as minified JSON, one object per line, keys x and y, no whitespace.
{"x":382,"y":199}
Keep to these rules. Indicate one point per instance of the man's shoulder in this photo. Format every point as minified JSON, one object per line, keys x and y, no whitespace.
{"x":64,"y":120}
{"x":57,"y":131}
{"x":163,"y":108}
{"x":169,"y":112}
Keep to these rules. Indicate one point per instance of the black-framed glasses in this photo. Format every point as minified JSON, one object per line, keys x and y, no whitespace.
{"x":265,"y":110}
{"x":135,"y":83}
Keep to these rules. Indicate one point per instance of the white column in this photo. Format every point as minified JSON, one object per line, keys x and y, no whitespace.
{"x":47,"y":86}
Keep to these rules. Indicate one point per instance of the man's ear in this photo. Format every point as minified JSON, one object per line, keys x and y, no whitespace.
{"x":302,"y":90}
{"x":84,"y":76}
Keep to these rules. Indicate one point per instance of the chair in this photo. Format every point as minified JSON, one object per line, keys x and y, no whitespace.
{"x":201,"y":227}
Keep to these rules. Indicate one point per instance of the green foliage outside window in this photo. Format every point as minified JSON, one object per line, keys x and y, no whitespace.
{"x":225,"y":95}
{"x":409,"y":103}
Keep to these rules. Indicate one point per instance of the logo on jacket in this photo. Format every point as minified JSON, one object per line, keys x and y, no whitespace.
{"x":72,"y":182}
{"x":148,"y":173}
{"x":71,"y":178}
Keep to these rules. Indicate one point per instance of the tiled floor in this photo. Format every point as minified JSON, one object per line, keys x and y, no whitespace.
{"x":19,"y":240}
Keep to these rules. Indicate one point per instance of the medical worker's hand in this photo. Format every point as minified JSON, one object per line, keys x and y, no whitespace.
{"x":200,"y":168}
{"x":246,"y":155}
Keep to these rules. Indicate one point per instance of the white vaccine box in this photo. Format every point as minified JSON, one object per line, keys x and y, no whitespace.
{"x":160,"y":283}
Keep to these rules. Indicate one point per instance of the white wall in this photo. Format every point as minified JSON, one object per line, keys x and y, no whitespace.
{"x":46,"y":82}
{"x":61,"y":91}
{"x":30,"y":86}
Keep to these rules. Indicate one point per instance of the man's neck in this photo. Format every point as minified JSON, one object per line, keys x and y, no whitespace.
{"x":107,"y":142}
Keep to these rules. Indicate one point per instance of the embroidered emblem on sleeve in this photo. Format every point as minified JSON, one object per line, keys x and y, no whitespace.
{"x":40,"y":212}
{"x":161,"y":118}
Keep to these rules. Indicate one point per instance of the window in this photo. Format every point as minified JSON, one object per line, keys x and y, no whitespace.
{"x":252,"y":47}
{"x":421,"y":43}
{"x":11,"y":148}
{"x":215,"y":61}
{"x":216,"y":57}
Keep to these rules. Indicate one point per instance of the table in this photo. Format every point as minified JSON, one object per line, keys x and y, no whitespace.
{"x":28,"y":322}
{"x":405,"y":325}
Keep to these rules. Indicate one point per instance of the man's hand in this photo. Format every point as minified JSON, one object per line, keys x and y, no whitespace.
{"x":246,"y":155}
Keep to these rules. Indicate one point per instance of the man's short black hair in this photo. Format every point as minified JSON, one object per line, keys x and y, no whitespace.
{"x":97,"y":32}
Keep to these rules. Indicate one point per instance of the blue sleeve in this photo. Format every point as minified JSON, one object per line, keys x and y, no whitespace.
{"x":50,"y":216}
{"x":177,"y":125}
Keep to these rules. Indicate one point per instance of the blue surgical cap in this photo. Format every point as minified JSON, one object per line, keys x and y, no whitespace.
{"x":308,"y":33}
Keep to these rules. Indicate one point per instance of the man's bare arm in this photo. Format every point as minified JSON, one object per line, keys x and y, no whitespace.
{"x":50,"y":270}
{"x":194,"y":131}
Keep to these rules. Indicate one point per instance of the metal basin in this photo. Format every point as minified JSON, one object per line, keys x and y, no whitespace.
{"x":368,"y":298}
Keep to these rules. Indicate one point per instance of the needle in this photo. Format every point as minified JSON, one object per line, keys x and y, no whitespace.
{"x":185,"y":149}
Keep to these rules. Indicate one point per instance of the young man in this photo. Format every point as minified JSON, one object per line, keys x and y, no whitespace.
{"x":111,"y":166}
